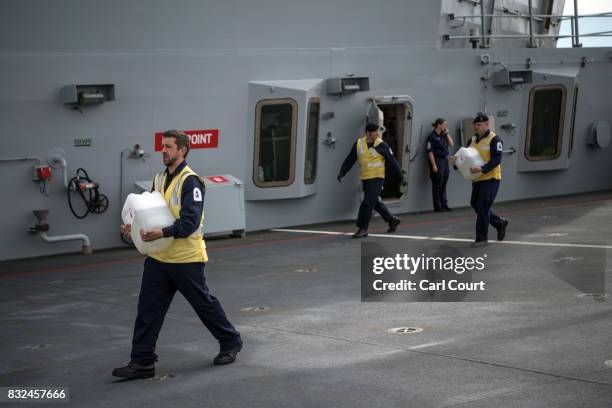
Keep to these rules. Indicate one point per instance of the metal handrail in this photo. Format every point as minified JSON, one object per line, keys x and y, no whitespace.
{"x":484,"y":37}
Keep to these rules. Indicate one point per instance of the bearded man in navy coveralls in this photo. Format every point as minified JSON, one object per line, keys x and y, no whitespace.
{"x":180,"y":267}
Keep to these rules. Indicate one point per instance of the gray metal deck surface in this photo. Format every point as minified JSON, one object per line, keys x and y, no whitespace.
{"x":317,"y":345}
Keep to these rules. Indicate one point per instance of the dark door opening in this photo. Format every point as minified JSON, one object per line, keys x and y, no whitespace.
{"x":395,"y":119}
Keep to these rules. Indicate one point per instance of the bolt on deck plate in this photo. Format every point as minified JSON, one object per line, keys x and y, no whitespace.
{"x":405,"y":330}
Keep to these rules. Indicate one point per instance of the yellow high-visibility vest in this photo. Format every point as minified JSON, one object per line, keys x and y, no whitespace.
{"x":371,"y":162}
{"x":182,"y":250}
{"x":484,"y":148}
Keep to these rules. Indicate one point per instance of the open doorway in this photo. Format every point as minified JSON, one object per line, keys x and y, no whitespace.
{"x":397,"y":117}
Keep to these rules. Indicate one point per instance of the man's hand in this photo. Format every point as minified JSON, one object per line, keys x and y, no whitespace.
{"x":125,"y":231}
{"x":452,"y":160}
{"x":152,"y":235}
{"x":434,"y":169}
{"x":339,"y":178}
{"x":475,"y":169}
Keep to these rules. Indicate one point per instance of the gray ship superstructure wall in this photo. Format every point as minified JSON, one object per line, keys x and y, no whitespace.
{"x":199,"y":65}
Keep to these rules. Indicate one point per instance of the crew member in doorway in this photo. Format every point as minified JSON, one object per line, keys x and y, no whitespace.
{"x":180,"y":267}
{"x":372,"y":154}
{"x":485,"y":187}
{"x":438,"y":143}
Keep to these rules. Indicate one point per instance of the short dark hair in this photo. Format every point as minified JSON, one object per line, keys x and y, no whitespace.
{"x":371,"y":127}
{"x":481,"y":117}
{"x":180,"y":138}
{"x":438,"y":122}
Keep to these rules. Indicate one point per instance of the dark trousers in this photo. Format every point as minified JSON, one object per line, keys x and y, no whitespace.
{"x":160,"y":281}
{"x":438,"y":183}
{"x":483,"y":196}
{"x":371,"y":201}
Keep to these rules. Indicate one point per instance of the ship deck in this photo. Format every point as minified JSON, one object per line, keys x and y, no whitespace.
{"x":295,"y":296}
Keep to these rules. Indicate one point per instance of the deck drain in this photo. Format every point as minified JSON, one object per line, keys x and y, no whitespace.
{"x":557,"y":234}
{"x":35,"y":346}
{"x":592,"y":295}
{"x":306,"y":270}
{"x":405,"y":330}
{"x":255,"y":309}
{"x":549,"y":217}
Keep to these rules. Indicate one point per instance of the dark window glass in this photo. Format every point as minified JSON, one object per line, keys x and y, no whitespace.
{"x":545,"y":129}
{"x":275,"y":143}
{"x":312,"y":140}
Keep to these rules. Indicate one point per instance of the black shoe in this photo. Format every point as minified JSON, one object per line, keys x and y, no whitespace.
{"x":479,"y":244}
{"x":395,"y":221}
{"x":361,"y":233}
{"x":447,"y":209}
{"x":438,"y":210}
{"x":226,"y":357}
{"x":133,"y":370}
{"x":501,"y":230}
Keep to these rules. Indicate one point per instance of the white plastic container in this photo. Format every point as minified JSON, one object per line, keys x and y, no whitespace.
{"x":466,"y":158}
{"x":147,"y":211}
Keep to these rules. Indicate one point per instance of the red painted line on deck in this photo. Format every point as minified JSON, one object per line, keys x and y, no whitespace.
{"x":284,"y":240}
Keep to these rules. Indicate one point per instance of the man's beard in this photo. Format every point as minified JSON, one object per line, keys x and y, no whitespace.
{"x":169,"y":161}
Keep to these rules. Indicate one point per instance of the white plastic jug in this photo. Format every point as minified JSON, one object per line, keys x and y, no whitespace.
{"x":147,"y":211}
{"x":466,"y":158}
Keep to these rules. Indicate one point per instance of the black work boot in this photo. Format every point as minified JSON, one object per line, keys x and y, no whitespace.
{"x":361,"y":233}
{"x":501,"y":230}
{"x":134,"y":370}
{"x":393,"y":223}
{"x":226,"y":357}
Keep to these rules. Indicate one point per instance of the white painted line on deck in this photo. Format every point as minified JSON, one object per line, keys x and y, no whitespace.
{"x":449,"y":239}
{"x":433,"y":343}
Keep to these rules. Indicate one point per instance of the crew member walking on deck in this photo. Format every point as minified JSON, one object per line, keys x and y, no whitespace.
{"x":180,"y":267}
{"x":438,"y":142}
{"x":372,"y":154}
{"x":485,"y":187}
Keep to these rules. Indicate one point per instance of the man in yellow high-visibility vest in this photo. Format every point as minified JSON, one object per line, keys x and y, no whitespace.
{"x":372,"y":154}
{"x":485,"y":187}
{"x":180,"y":267}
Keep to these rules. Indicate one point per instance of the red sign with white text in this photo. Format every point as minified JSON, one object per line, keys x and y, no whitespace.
{"x":198,"y":139}
{"x":217,"y":179}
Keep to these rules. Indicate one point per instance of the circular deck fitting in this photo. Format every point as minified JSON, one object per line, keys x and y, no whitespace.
{"x":592,"y":295}
{"x":35,"y":346}
{"x":255,"y":309}
{"x":405,"y":330}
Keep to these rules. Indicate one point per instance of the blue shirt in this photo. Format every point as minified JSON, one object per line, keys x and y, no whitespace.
{"x":438,"y":145}
{"x":191,"y":210}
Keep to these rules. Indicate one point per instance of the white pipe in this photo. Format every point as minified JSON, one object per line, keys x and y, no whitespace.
{"x":64,"y":165}
{"x":71,"y":237}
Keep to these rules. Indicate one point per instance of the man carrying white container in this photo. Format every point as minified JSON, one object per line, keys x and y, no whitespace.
{"x":485,"y":186}
{"x":179,"y":267}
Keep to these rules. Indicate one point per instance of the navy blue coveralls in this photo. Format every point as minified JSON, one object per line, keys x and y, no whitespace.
{"x":438,"y":145}
{"x":161,"y":280}
{"x":484,"y":192}
{"x":372,"y":187}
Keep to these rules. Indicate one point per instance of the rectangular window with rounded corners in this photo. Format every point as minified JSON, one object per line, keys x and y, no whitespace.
{"x":275,"y":134}
{"x":545,"y":122}
{"x":312,"y":141}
